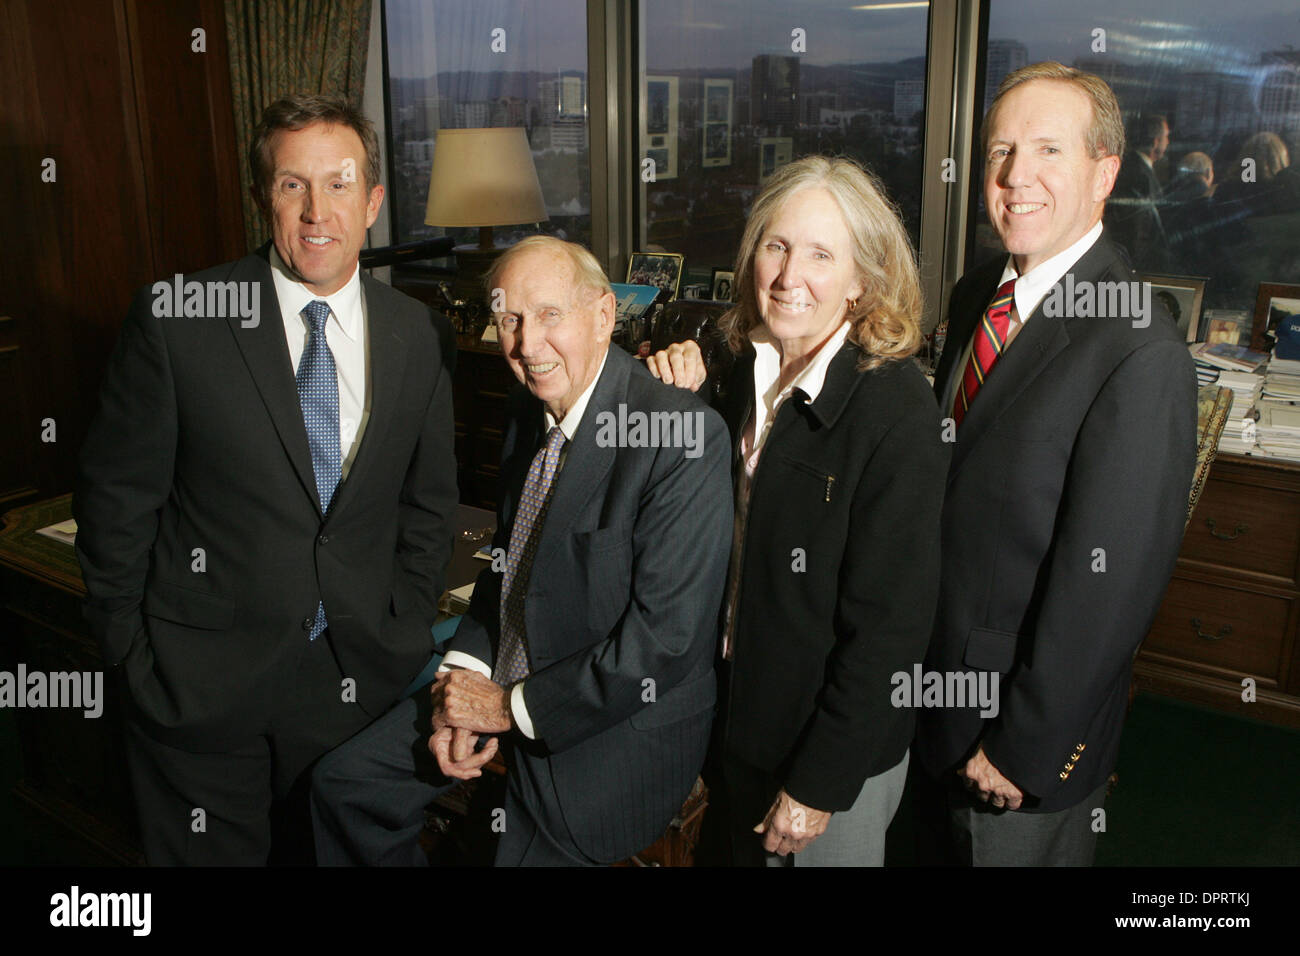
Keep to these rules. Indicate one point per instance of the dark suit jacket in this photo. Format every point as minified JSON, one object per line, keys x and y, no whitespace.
{"x":199,"y":442}
{"x":1133,"y":215}
{"x":1078,"y":450}
{"x":854,"y":481}
{"x":625,"y":588}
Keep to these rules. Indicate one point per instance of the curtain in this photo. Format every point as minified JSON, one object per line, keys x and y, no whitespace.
{"x":279,"y":47}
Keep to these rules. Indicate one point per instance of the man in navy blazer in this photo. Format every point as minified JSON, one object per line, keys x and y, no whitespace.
{"x":258,"y":613}
{"x":606,"y":723}
{"x":1067,"y":489}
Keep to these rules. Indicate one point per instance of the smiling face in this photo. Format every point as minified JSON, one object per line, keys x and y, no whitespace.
{"x":1042,"y":189}
{"x":553,"y":331}
{"x":804,"y":273}
{"x":319,"y":205}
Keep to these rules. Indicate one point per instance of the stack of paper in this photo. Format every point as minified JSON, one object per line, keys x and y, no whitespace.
{"x":1239,"y":431}
{"x":1278,"y":430}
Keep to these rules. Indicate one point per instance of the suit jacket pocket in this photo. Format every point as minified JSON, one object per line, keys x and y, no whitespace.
{"x":990,"y":650}
{"x":684,"y":700}
{"x":181,"y":605}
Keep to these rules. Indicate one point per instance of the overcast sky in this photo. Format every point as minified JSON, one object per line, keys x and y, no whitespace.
{"x":550,"y":35}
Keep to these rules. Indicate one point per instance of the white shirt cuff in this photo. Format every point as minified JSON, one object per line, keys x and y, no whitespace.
{"x":520,"y":711}
{"x":467,"y":661}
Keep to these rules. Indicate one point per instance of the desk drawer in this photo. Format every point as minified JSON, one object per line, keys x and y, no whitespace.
{"x":1222,"y":628}
{"x":1248,"y":528}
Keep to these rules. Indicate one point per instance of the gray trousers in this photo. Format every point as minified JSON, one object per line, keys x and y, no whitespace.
{"x":987,"y":836}
{"x":855,"y":837}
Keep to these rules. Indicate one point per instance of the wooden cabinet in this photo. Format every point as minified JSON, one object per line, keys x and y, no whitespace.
{"x":73,"y":767}
{"x":482,"y":382}
{"x":1231,"y":609}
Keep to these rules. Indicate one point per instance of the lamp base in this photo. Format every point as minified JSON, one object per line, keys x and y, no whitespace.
{"x":472,"y":264}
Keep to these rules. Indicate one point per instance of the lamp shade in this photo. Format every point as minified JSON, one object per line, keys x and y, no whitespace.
{"x":483,"y":177}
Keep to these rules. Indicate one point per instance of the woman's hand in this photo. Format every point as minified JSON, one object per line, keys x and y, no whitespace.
{"x":790,"y":825}
{"x":680,"y":364}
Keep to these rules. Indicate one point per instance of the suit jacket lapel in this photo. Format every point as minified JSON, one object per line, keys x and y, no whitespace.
{"x":585,"y":461}
{"x":521,"y":450}
{"x":266,"y":353}
{"x":963,"y":316}
{"x":740,"y":403}
{"x":387,"y":354}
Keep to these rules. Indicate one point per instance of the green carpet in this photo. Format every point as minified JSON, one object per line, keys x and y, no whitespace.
{"x":1196,"y":788}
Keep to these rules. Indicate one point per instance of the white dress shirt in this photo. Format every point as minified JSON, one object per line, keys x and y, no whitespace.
{"x":1031,"y":289}
{"x":345,"y":334}
{"x":569,"y":427}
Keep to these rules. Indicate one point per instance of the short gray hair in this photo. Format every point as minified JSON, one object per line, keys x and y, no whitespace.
{"x":586,"y":269}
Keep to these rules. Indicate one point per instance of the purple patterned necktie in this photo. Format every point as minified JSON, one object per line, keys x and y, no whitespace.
{"x":512,"y":652}
{"x":318,"y":392}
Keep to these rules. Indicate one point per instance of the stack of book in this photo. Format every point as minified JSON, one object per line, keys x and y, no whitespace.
{"x":1278,"y":429}
{"x":1226,"y":365}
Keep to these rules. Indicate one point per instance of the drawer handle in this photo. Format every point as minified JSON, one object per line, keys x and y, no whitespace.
{"x":1240,"y":530}
{"x":1223,"y":631}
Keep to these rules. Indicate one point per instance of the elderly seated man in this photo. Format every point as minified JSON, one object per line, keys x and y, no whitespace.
{"x":587,"y":651}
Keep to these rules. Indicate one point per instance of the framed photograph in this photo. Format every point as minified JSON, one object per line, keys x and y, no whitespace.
{"x":663,"y":270}
{"x":659,"y":125}
{"x":773,"y":153}
{"x":1274,"y":304}
{"x":724,"y":284}
{"x":1182,"y":296}
{"x":718,"y":100}
{"x":1225,"y":326}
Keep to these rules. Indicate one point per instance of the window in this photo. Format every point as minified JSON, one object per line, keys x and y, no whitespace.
{"x":733,"y":89}
{"x":1226,"y":78}
{"x":452,"y":64}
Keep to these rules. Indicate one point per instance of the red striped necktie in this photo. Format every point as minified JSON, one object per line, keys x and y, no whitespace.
{"x":990,"y":340}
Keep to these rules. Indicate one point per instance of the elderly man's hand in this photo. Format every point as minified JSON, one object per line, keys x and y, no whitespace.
{"x":987,"y":781}
{"x":790,"y":825}
{"x":681,"y":364}
{"x":468,"y":700}
{"x":454,"y":749}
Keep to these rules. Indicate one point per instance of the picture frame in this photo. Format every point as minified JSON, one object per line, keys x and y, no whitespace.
{"x":723,"y":285}
{"x":663,"y":270}
{"x":1182,"y":296}
{"x":773,"y":153}
{"x":719,"y":97}
{"x":1274,"y":302}
{"x":659,"y":125}
{"x":1230,"y":326}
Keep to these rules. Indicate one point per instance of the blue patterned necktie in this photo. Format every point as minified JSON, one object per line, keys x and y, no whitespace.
{"x":318,"y":391}
{"x":512,"y":652}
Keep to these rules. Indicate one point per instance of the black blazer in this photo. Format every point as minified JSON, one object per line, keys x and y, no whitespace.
{"x":1076,"y":455}
{"x":851,"y":484}
{"x":625,"y":589}
{"x":199,"y":442}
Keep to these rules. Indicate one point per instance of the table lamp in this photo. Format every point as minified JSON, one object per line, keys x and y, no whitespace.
{"x":483,"y":178}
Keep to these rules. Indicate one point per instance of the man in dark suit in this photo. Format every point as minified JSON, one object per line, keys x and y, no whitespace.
{"x":1133,"y":214}
{"x":264,"y":503}
{"x":1075,"y":429}
{"x":588,"y":645}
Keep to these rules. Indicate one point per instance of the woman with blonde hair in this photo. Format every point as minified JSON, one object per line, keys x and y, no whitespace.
{"x":839,"y":468}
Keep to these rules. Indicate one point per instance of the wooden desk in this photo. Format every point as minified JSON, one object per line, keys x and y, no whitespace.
{"x":1233,"y":606}
{"x":74,"y":768}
